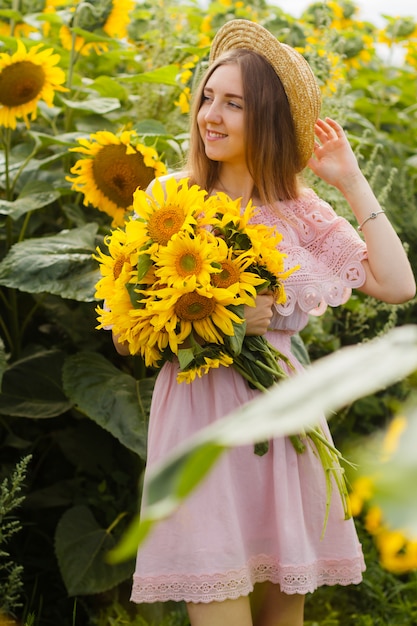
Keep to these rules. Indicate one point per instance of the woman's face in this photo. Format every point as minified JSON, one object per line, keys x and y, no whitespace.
{"x":221,"y":116}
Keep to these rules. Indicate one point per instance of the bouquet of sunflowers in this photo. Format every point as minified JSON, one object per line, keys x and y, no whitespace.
{"x":178,"y":276}
{"x":175,"y":283}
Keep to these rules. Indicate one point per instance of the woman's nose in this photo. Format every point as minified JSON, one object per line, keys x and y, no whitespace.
{"x":213,"y":113}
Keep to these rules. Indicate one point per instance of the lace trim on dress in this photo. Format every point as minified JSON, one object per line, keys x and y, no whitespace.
{"x":233,"y":584}
{"x":327,"y":248}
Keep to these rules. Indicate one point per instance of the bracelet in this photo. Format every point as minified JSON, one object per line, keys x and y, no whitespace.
{"x":372,"y":216}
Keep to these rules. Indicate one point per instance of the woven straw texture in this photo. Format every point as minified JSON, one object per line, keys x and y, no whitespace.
{"x":298,"y":80}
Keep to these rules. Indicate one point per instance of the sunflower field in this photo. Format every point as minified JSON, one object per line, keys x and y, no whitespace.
{"x":94,"y":102}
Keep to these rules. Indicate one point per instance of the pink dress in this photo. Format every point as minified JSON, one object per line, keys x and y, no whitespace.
{"x":256,"y":518}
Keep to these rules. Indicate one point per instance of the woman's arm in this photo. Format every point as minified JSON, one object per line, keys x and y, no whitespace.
{"x":121,"y":347}
{"x":389,"y":276}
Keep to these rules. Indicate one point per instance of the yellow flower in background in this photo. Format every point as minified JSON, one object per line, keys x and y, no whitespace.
{"x":184,"y":100}
{"x":392,"y":438}
{"x":80,"y":44}
{"x":26,"y":77}
{"x":20,"y":29}
{"x":113,"y":168}
{"x":110,"y":16}
{"x":398,"y":554}
{"x":411,"y":54}
{"x":373,"y":520}
{"x":204,"y":41}
{"x":119,"y":18}
{"x":397,"y":547}
{"x":8,"y":620}
{"x":206,"y":26}
{"x":362,"y":490}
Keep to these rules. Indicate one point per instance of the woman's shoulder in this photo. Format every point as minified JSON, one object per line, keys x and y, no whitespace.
{"x":308,"y":204}
{"x":163,"y":179}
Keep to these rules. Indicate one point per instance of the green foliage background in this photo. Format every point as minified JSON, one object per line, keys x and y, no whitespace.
{"x":67,"y":399}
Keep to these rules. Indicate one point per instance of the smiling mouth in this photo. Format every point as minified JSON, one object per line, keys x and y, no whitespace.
{"x":211,"y":134}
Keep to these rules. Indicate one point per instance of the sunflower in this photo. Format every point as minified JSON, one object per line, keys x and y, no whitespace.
{"x":112,"y":289}
{"x":269,"y":262}
{"x":139,"y":332}
{"x":188,"y":258}
{"x":205,"y":310}
{"x":111,"y":265}
{"x":26,"y":77}
{"x":235,"y":276}
{"x":229,"y":212}
{"x":111,"y":16}
{"x":18,"y":29}
{"x":172,"y":207}
{"x":199,"y":369}
{"x":119,"y":18}
{"x":116,"y":165}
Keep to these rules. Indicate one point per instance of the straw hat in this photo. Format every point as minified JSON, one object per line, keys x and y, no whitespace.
{"x":292,"y":69}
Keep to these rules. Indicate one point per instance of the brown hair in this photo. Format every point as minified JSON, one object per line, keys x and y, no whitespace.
{"x":271,"y":146}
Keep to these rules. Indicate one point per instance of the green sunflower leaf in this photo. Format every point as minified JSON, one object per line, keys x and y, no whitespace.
{"x":235,"y":342}
{"x":34,"y":196}
{"x":61,"y":264}
{"x":166,"y":75}
{"x":114,"y":400}
{"x":185,"y":357}
{"x":81,"y":546}
{"x":94,"y":105}
{"x":144,"y":264}
{"x":32,"y":387}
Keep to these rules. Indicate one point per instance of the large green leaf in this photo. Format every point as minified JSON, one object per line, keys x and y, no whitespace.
{"x":64,"y":139}
{"x":81,"y":545}
{"x":114,"y":400}
{"x":166,"y":75}
{"x":288,"y":408}
{"x":101,"y":106}
{"x":3,"y":360}
{"x":32,"y":387}
{"x":61,"y":264}
{"x":34,"y":196}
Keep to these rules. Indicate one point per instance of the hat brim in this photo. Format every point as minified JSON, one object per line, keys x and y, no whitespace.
{"x":291,"y":67}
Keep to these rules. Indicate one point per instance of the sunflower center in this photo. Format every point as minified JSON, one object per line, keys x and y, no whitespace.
{"x":118,"y":266}
{"x":117,"y":174}
{"x":188,"y":263}
{"x":20,"y":83}
{"x":228,"y":276}
{"x":194,"y":307}
{"x":164,"y":223}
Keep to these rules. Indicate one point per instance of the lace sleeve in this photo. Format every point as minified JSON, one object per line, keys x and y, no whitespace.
{"x":328,"y":250}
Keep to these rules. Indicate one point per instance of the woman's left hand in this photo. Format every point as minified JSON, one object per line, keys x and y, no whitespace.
{"x":334,"y":160}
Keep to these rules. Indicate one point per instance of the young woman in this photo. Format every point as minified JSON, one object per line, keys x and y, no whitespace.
{"x":246,"y":547}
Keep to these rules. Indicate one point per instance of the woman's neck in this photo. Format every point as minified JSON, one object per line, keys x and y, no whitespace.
{"x":236,"y":185}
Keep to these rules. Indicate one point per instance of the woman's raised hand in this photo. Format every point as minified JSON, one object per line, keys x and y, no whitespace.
{"x":333,"y":160}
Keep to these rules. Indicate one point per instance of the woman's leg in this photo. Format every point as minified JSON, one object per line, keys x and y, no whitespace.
{"x":272,"y":607}
{"x":227,"y":613}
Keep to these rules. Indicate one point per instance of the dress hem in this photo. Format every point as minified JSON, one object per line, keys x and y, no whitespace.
{"x":233,"y":584}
